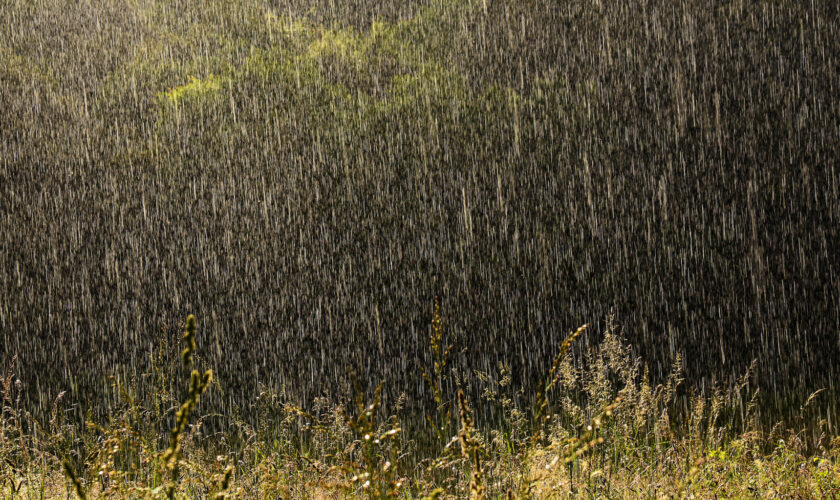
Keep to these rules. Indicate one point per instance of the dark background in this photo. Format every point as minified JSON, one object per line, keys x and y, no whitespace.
{"x":672,"y":162}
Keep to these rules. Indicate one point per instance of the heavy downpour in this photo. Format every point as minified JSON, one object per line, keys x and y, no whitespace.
{"x":415,"y":206}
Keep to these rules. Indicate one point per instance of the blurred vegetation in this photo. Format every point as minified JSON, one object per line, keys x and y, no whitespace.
{"x":306,"y":176}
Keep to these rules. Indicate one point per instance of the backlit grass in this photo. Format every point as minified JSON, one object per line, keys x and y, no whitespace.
{"x":597,"y":430}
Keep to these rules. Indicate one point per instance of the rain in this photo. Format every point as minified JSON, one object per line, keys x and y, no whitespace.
{"x":308,"y":177}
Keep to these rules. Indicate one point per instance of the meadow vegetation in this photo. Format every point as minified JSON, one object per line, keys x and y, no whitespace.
{"x":597,"y":430}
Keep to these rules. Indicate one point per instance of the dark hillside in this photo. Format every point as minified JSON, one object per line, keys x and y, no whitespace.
{"x":307,"y":179}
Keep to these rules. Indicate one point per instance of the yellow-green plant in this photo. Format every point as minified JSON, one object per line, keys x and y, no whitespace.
{"x":74,"y":479}
{"x":471,"y":449}
{"x":375,"y":474}
{"x":441,"y":422}
{"x":198,"y":384}
{"x":542,"y":411}
{"x":224,"y":483}
{"x":196,"y":87}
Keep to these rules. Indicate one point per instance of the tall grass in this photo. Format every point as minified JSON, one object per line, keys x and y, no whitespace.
{"x":599,"y":429}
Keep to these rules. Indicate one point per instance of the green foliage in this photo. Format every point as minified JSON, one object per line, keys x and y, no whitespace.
{"x":195,"y":89}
